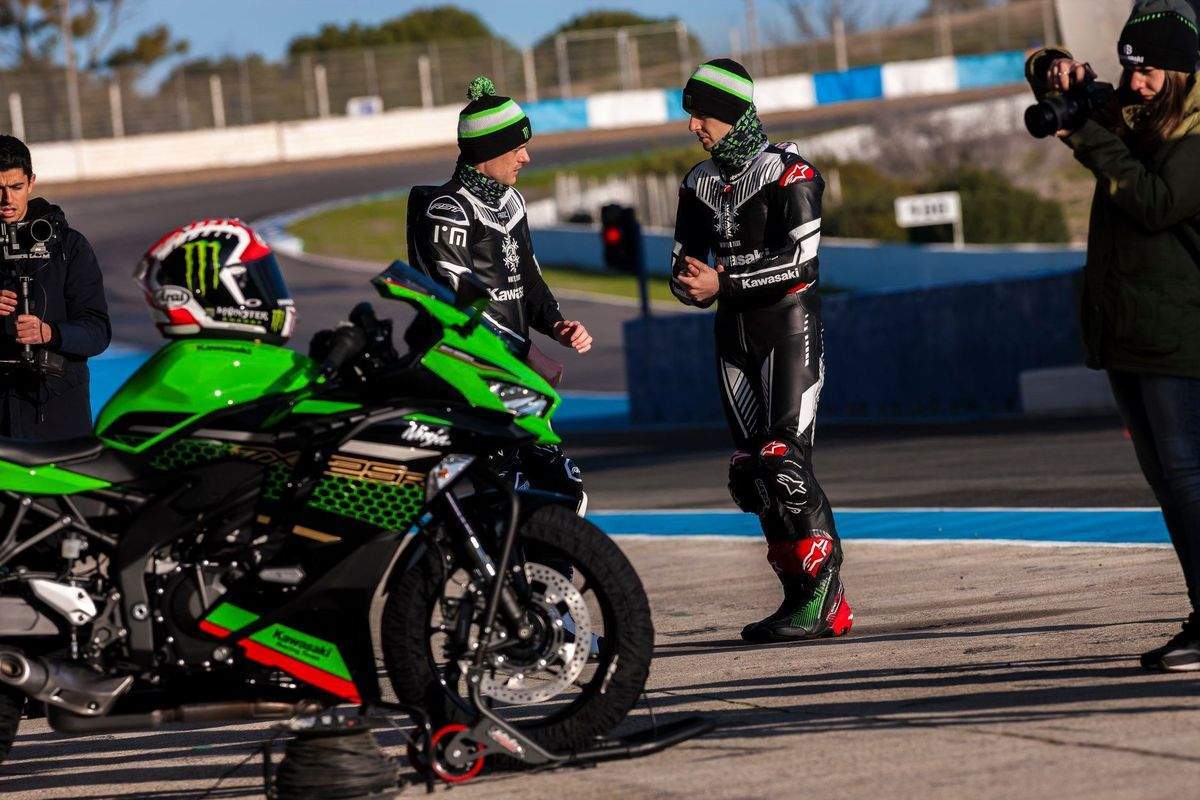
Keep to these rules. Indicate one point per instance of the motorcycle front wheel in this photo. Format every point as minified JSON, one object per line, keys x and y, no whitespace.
{"x":573,"y":681}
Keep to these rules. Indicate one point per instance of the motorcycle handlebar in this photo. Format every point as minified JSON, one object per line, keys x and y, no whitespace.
{"x":348,"y":342}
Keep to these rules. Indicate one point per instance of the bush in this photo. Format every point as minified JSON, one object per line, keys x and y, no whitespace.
{"x":995,"y":211}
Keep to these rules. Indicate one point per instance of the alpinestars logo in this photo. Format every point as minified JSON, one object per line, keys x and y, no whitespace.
{"x":512,"y":255}
{"x":791,"y":484}
{"x":773,"y":449}
{"x":199,"y":258}
{"x":797,"y":172}
{"x":425,"y":436}
{"x":816,"y":554}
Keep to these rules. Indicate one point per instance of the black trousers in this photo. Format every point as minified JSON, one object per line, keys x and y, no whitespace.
{"x":1163,"y":416}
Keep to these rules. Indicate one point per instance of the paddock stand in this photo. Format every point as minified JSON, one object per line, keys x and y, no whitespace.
{"x":334,"y":755}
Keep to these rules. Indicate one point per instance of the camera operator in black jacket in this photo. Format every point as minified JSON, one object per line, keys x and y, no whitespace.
{"x":67,"y":316}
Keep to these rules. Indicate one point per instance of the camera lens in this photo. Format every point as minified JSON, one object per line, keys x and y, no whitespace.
{"x":41,"y":230}
{"x":1040,"y":120}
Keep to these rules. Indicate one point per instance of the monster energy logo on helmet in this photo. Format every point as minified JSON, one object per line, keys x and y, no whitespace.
{"x":491,"y":124}
{"x":200,"y":258}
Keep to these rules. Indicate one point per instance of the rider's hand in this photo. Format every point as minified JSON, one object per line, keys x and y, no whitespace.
{"x":8,"y":302}
{"x":571,"y":333}
{"x":701,"y":282}
{"x":31,"y":330}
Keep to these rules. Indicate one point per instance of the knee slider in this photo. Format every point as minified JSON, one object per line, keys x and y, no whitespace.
{"x":785,"y":475}
{"x":743,"y":485}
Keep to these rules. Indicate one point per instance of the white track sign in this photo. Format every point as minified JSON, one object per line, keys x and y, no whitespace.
{"x":943,"y":208}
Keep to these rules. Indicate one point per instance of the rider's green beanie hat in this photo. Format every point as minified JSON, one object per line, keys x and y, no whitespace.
{"x":720,"y":88}
{"x":490,"y":124}
{"x":1161,"y":34}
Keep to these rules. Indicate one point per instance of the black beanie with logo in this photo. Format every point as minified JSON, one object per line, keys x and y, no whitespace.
{"x":720,"y":88}
{"x":1161,"y":34}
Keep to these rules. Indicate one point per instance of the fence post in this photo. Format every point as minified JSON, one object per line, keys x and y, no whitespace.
{"x":181,"y":104}
{"x":684,"y":46}
{"x":321,"y":81}
{"x":68,"y":38}
{"x":531,"y":92}
{"x":216,"y":94}
{"x":564,"y":66}
{"x":1049,"y":28}
{"x":498,"y":64}
{"x":115,"y":111}
{"x":16,"y":115}
{"x":945,"y":39}
{"x":623,"y":59}
{"x":244,"y":90}
{"x":372,"y":74}
{"x":635,"y":64}
{"x":426,"y":81}
{"x":839,"y":44}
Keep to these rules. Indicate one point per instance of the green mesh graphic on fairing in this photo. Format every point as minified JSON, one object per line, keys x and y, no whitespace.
{"x":385,"y":505}
{"x":187,"y":453}
{"x":807,"y":616}
{"x":275,"y":482}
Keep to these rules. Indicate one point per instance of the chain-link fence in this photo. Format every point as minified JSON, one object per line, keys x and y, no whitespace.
{"x":359,"y":82}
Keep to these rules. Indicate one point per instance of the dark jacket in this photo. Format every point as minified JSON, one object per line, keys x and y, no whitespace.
{"x":1140,"y":305}
{"x":68,"y":294}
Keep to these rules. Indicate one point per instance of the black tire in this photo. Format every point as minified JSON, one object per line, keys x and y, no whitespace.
{"x":604,"y":699}
{"x":12,"y":705}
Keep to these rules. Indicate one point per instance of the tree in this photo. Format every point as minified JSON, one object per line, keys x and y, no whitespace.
{"x":31,"y":33}
{"x":150,"y":47}
{"x":818,"y":19}
{"x":435,"y":24}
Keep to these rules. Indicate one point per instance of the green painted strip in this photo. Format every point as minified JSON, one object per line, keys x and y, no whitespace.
{"x":428,"y":419}
{"x":45,"y":479}
{"x":283,"y":639}
{"x":323,"y":407}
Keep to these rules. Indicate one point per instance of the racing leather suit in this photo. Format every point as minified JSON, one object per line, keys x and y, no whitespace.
{"x":451,"y":231}
{"x":458,"y":232}
{"x":763,"y":226}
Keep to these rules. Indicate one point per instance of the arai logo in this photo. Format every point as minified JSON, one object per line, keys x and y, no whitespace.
{"x":425,"y":436}
{"x":172,"y":297}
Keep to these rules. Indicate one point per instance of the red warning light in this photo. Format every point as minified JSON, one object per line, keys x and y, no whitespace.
{"x":612,"y":235}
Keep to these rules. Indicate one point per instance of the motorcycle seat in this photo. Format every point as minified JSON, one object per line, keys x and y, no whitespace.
{"x":33,"y":453}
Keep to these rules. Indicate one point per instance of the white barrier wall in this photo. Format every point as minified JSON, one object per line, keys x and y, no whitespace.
{"x":930,"y":76}
{"x":419,"y":127}
{"x":785,"y":93}
{"x":627,"y":109}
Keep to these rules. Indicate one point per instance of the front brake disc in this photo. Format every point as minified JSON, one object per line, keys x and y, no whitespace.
{"x":561,"y":659}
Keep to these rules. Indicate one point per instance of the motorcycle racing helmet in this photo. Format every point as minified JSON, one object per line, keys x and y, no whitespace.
{"x":216,"y":278}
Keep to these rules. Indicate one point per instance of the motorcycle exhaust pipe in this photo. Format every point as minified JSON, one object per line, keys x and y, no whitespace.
{"x":196,"y":714}
{"x":62,"y":684}
{"x":18,"y":671}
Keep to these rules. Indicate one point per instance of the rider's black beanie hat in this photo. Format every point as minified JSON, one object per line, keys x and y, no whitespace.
{"x":1161,"y":34}
{"x":490,"y":124}
{"x":720,"y":88}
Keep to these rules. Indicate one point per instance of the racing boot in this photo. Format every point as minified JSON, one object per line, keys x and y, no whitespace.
{"x":814,"y":600}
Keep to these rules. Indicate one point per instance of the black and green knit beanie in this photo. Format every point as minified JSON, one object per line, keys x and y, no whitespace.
{"x":720,"y":88}
{"x":1161,"y":34}
{"x":490,"y":124}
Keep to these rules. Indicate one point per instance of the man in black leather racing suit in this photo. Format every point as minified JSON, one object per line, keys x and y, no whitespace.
{"x":475,"y":222}
{"x":756,"y":208}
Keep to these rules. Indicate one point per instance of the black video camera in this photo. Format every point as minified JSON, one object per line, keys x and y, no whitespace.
{"x":1069,"y":110}
{"x":25,"y":246}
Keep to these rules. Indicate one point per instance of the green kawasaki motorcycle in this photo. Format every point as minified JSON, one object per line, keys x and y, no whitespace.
{"x":213,"y":554}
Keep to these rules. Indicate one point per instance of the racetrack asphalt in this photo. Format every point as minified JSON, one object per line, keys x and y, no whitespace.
{"x":973,"y":671}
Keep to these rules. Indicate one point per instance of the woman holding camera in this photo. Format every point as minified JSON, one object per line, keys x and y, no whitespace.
{"x":1141,"y":294}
